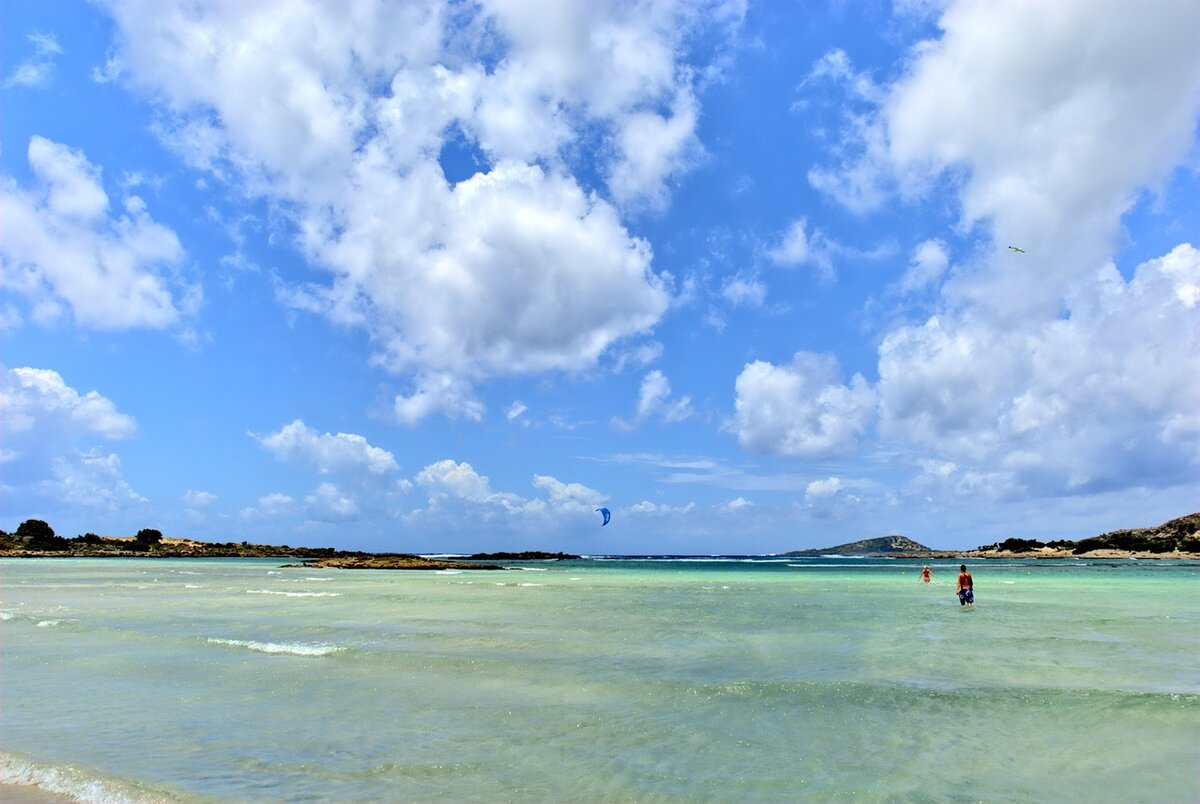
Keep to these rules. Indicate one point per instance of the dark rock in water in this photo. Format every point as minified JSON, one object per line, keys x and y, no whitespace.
{"x":883,"y":546}
{"x":528,"y":555}
{"x":391,"y":562}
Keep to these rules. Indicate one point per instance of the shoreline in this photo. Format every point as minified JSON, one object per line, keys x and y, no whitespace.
{"x":405,"y":561}
{"x":18,"y":793}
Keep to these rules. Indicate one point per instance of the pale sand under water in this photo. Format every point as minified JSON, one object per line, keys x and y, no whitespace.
{"x":601,"y":680}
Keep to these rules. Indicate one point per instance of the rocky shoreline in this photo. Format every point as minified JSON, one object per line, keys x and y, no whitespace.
{"x":391,"y":562}
{"x":1177,"y":539}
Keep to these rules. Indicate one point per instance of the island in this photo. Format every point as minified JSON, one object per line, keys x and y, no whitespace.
{"x":1178,"y":538}
{"x":883,"y":546}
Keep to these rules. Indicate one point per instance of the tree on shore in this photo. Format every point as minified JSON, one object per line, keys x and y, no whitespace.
{"x":38,"y":535}
{"x":147,"y":538}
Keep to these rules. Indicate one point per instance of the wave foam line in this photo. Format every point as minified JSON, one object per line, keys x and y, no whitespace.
{"x":293,"y":648}
{"x":292,"y":594}
{"x":69,"y":782}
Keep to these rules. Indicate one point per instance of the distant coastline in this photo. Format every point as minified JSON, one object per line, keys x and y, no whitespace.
{"x":1176,"y":539}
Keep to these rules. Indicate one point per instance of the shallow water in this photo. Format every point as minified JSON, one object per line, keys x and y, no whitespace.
{"x":601,"y":679}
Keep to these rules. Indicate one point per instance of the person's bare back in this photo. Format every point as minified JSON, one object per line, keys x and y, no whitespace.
{"x":965,"y":588}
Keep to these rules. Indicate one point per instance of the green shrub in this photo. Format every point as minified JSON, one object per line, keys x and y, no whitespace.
{"x":33,"y":528}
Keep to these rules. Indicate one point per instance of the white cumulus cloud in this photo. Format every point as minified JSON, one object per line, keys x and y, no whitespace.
{"x":1094,"y":400}
{"x":802,"y":408}
{"x":328,"y":453}
{"x":340,"y":113}
{"x":63,"y":246}
{"x":568,"y":496}
{"x":438,"y":392}
{"x":49,"y":452}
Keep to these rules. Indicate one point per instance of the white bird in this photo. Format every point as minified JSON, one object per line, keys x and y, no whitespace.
{"x":1017,"y":248}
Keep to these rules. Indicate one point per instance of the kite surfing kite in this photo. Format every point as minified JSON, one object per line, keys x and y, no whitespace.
{"x":1017,"y":249}
{"x":604,"y":512}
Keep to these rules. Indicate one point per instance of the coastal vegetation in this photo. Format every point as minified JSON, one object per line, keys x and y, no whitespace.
{"x":1180,"y":535}
{"x":1177,"y":538}
{"x":35,"y":537}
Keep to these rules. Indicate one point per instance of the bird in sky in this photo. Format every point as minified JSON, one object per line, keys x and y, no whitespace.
{"x":1017,"y":249}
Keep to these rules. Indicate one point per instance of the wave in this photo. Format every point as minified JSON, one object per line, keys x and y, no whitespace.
{"x":292,"y":648}
{"x":292,"y":594}
{"x":48,"y":623}
{"x":527,"y":569}
{"x":827,"y":565}
{"x":531,"y":584}
{"x":72,"y":782}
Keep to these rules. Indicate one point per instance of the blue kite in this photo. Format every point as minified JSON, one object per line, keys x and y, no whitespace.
{"x":604,"y":512}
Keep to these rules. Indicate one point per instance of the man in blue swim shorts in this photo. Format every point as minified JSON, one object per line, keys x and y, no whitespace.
{"x":965,"y":588}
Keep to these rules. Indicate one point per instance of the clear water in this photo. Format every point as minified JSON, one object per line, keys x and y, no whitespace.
{"x":601,"y":680}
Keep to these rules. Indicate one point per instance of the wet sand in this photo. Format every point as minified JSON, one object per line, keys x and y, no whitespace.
{"x":29,"y":794}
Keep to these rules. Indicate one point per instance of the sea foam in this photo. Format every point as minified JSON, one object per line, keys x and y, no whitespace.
{"x":293,"y":648}
{"x":69,"y":782}
{"x":292,"y":594}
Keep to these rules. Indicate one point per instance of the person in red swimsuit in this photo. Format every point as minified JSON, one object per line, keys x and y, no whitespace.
{"x":926,"y":575}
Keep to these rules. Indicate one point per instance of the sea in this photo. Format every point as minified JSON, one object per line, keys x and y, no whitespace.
{"x":716,"y":678}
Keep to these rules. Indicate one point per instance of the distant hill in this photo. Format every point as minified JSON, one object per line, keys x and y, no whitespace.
{"x":1181,"y":535}
{"x":883,"y":546}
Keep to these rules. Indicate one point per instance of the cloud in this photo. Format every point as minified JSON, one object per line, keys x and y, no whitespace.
{"x":340,"y":117}
{"x":269,"y":505}
{"x":659,"y":509}
{"x":568,"y":496}
{"x":927,"y":266}
{"x":830,"y":497}
{"x":90,"y":479}
{"x":736,"y":504}
{"x":460,"y":481}
{"x":797,"y":246}
{"x":1092,"y":400}
{"x":654,"y":400}
{"x":343,"y":453}
{"x":438,"y":392}
{"x":63,"y":246}
{"x":1049,"y":372}
{"x":1048,"y":164}
{"x":328,"y":504}
{"x":801,"y":409}
{"x":36,"y":72}
{"x":822,"y":489}
{"x":46,"y":452}
{"x":516,"y":412}
{"x":744,"y":291}
{"x":198,"y":499}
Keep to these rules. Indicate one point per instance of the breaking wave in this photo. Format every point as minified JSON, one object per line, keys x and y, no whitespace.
{"x":292,"y":648}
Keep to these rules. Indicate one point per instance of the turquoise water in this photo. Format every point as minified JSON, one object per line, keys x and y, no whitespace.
{"x":601,"y":680}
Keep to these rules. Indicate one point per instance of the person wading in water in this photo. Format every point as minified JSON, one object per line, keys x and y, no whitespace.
{"x":966,"y":587}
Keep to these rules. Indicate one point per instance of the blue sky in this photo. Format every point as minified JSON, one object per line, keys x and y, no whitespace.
{"x":449,"y":276}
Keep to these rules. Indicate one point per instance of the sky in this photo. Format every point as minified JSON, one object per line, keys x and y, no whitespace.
{"x":450,"y":276}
